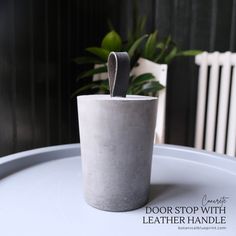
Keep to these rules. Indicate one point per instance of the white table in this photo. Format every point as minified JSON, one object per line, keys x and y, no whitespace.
{"x":41,"y":195}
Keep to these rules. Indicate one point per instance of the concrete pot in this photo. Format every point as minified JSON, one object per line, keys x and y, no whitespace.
{"x":116,"y":136}
{"x":160,"y":73}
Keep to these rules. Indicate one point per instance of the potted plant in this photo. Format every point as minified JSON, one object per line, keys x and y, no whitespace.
{"x":98,"y":58}
{"x":147,"y":52}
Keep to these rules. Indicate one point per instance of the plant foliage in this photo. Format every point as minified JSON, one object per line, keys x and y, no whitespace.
{"x":139,"y":44}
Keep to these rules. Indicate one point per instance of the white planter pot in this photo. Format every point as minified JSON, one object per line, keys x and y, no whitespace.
{"x":160,"y":73}
{"x":116,"y":137}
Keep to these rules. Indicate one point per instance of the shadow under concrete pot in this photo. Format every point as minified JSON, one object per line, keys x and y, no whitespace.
{"x":116,"y":136}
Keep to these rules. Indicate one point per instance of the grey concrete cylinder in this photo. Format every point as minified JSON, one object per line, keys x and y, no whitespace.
{"x":116,"y":136}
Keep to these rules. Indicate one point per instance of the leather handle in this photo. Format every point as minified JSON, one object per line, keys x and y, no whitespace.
{"x":118,"y":73}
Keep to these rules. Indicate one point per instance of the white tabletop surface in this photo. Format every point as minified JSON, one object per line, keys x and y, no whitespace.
{"x":41,"y":195}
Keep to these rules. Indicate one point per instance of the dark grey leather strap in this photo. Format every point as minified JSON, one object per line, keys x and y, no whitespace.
{"x":118,"y":73}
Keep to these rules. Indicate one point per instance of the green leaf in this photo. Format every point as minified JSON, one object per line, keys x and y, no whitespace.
{"x":104,"y":86}
{"x":150,"y":46}
{"x":189,"y":53}
{"x":142,"y":79}
{"x":100,"y":52}
{"x":134,"y":90}
{"x":87,"y":60}
{"x":135,"y":45}
{"x":112,"y":41}
{"x":171,"y":55}
{"x":144,"y":84}
{"x":140,"y":26}
{"x":163,"y":50}
{"x":160,"y":45}
{"x":151,"y":87}
{"x":93,"y":72}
